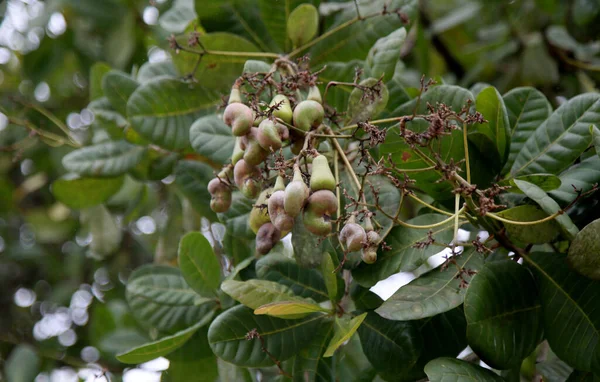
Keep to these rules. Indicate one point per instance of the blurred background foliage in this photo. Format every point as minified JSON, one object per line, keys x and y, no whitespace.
{"x":62,"y":275}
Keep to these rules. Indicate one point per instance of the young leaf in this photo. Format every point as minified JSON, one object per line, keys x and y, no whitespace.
{"x":212,"y":138}
{"x":569,"y":300}
{"x":433,"y":293}
{"x":383,"y":340}
{"x":106,"y":159}
{"x":163,"y":346}
{"x":584,"y":250}
{"x":162,"y":110}
{"x":404,"y":256}
{"x":454,"y":370}
{"x":118,"y":87}
{"x":79,"y":193}
{"x":159,"y":297}
{"x":228,"y":333}
{"x":561,"y":139}
{"x":344,"y":329}
{"x":530,"y":234}
{"x":302,"y":23}
{"x":199,"y":264}
{"x":527,"y":109}
{"x":291,"y":309}
{"x":255,"y":293}
{"x":303,"y":282}
{"x":503,"y":328}
{"x":491,"y":105}
{"x":330,"y":277}
{"x":548,"y":205}
{"x":384,"y":54}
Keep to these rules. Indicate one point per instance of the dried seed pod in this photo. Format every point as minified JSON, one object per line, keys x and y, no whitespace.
{"x":239,"y":117}
{"x":353,"y":236}
{"x":267,"y":236}
{"x":247,"y":179}
{"x":296,"y":194}
{"x":308,"y":114}
{"x":317,"y":213}
{"x":321,"y":178}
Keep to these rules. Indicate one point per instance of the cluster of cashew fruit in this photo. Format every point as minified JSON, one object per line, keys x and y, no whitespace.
{"x":277,"y":208}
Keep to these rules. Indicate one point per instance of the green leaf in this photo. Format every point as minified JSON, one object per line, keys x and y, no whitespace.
{"x":451,"y":147}
{"x":363,"y":298}
{"x":214,"y":72}
{"x":281,"y":338}
{"x":383,"y":56}
{"x":303,"y":282}
{"x":150,"y":70}
{"x":548,"y":205}
{"x":97,"y":71}
{"x":330,"y":277}
{"x":163,"y":346}
{"x":255,"y":293}
{"x":503,"y":327}
{"x":364,"y":105}
{"x":553,"y":369}
{"x":433,"y":293}
{"x":178,"y":17}
{"x":194,"y":358}
{"x":159,"y":297}
{"x":289,"y":309}
{"x":561,"y":139}
{"x":583,"y":176}
{"x":384,"y":340}
{"x":106,"y":159}
{"x":192,"y":178}
{"x":162,"y":110}
{"x":454,"y":370}
{"x":309,"y":364}
{"x":404,"y":256}
{"x":356,"y":40}
{"x":79,"y":193}
{"x":537,"y":66}
{"x":569,"y":301}
{"x":595,"y":138}
{"x":344,"y":329}
{"x":232,"y":373}
{"x":118,"y":87}
{"x":581,"y":376}
{"x":547,"y":182}
{"x":337,"y":96}
{"x":104,"y":228}
{"x":22,"y":365}
{"x":199,"y":264}
{"x":584,"y":252}
{"x":527,"y":109}
{"x":491,"y":105}
{"x":529,"y":234}
{"x":212,"y":138}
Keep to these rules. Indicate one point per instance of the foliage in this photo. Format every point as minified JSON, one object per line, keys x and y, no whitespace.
{"x":234,"y":177}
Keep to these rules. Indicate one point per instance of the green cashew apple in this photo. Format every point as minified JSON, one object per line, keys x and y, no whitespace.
{"x":220,"y":193}
{"x":317,"y":213}
{"x":270,"y":134}
{"x":284,"y":112}
{"x":308,"y":114}
{"x":258,"y":215}
{"x":247,"y":178}
{"x":353,"y":236}
{"x":238,"y":152}
{"x":296,"y":194}
{"x":314,"y":94}
{"x":321,"y":178}
{"x":239,"y":117}
{"x":267,"y":236}
{"x":280,"y":219}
